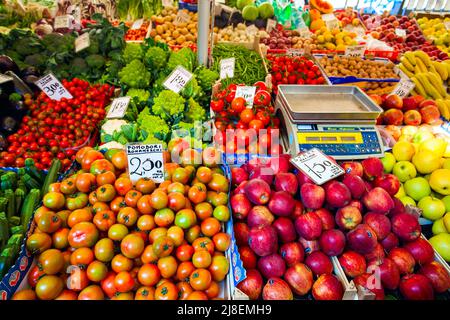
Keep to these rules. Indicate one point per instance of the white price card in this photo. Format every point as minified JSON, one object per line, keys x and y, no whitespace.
{"x":331,"y":21}
{"x":271,"y":24}
{"x":317,"y":166}
{"x":246,"y":92}
{"x":145,"y":161}
{"x":304,"y":33}
{"x":137,"y":24}
{"x":118,"y":108}
{"x":82,"y":42}
{"x":182,"y":17}
{"x":61,"y":22}
{"x":178,"y":79}
{"x":403,"y":88}
{"x":295,"y":52}
{"x":227,"y":68}
{"x":400,"y":32}
{"x":167,"y":3}
{"x":355,"y":51}
{"x":447,"y":25}
{"x":53,"y":88}
{"x":4,"y":78}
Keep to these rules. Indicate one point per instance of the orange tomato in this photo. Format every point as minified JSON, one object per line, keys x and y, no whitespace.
{"x":119,"y":160}
{"x":145,"y":293}
{"x":127,"y":216}
{"x":107,"y":284}
{"x":79,"y":215}
{"x":93,"y":292}
{"x":156,"y":233}
{"x":146,"y":222}
{"x":107,"y":177}
{"x":180,"y":175}
{"x":104,"y":250}
{"x":149,"y":256}
{"x":163,"y":186}
{"x":159,"y":199}
{"x":167,"y":266}
{"x":210,"y":227}
{"x":176,"y":234}
{"x":96,"y":271}
{"x":204,"y":174}
{"x":144,"y":205}
{"x":84,"y":182}
{"x":68,"y":185}
{"x":222,"y":241}
{"x":67,"y":295}
{"x":164,"y":217}
{"x":213,"y":290}
{"x":192,"y":233}
{"x":89,"y":157}
{"x":132,"y":197}
{"x":81,"y":153}
{"x":217,"y":198}
{"x":176,"y":187}
{"x":117,"y":232}
{"x":132,"y":246}
{"x":203,"y":243}
{"x":149,"y":275}
{"x":104,"y":220}
{"x":185,"y":218}
{"x":54,"y":187}
{"x":163,"y":246}
{"x":49,"y":287}
{"x":219,"y":267}
{"x":123,"y":296}
{"x":184,"y":289}
{"x":106,"y":193}
{"x":184,"y":270}
{"x":99,"y":207}
{"x":123,"y":185}
{"x":93,"y":198}
{"x":200,"y":279}
{"x":60,"y":238}
{"x":121,"y":263}
{"x":64,"y":215}
{"x":124,"y":282}
{"x":145,"y":185}
{"x":82,"y":257}
{"x":177,"y":201}
{"x":117,"y":204}
{"x":51,"y":261}
{"x":203,"y":210}
{"x":197,"y":193}
{"x":201,"y":259}
{"x":166,"y":291}
{"x":197,"y":295}
{"x":49,"y":222}
{"x":100,"y":166}
{"x":39,"y":211}
{"x":184,"y":252}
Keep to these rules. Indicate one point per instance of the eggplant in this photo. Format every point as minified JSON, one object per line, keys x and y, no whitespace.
{"x":2,"y":142}
{"x":30,"y":70}
{"x":30,"y":81}
{"x":8,"y":124}
{"x":7,"y":64}
{"x":19,"y":109}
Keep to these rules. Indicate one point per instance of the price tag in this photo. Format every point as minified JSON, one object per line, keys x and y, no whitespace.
{"x":400,"y":32}
{"x":182,"y":17}
{"x":61,"y":22}
{"x":4,"y":78}
{"x":178,"y":79}
{"x":137,"y":24}
{"x":75,"y":11}
{"x":227,"y":68}
{"x":145,"y":161}
{"x":118,"y":107}
{"x":82,"y":42}
{"x":447,"y":25}
{"x":403,"y":88}
{"x":355,"y":51}
{"x":331,"y":21}
{"x":246,"y":92}
{"x":317,"y":166}
{"x":271,"y":24}
{"x":53,"y":88}
{"x":295,"y":52}
{"x":167,"y":3}
{"x":304,"y":33}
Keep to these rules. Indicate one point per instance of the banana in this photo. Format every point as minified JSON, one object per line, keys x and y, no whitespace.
{"x":447,"y":103}
{"x":405,"y":62}
{"x":436,"y":81}
{"x":421,"y":65}
{"x":446,"y":61}
{"x":410,"y":57}
{"x":414,"y":92}
{"x":443,"y":108}
{"x":441,"y":69}
{"x":419,"y":87}
{"x":406,"y":71}
{"x":429,"y":88}
{"x":423,"y":57}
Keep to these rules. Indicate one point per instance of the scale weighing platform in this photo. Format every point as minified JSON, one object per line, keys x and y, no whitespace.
{"x":338,"y":120}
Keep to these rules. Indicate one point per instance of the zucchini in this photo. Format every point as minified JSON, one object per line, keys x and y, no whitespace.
{"x":17,"y":230}
{"x":30,"y":182}
{"x":20,"y":196}
{"x":14,"y":221}
{"x":6,"y":181}
{"x":52,"y":175}
{"x":21,"y":185}
{"x":4,"y":230}
{"x":31,"y":169}
{"x":11,"y":206}
{"x":30,"y":203}
{"x":3,"y":204}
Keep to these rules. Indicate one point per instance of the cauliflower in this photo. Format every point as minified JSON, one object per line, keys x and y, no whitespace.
{"x":133,"y":51}
{"x":111,"y":145}
{"x":112,"y":125}
{"x":168,"y":105}
{"x":156,"y":57}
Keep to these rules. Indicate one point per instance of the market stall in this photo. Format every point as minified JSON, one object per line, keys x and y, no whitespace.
{"x":236,"y":150}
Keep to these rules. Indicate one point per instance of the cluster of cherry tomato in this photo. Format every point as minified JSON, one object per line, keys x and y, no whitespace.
{"x":56,"y":128}
{"x":286,"y":69}
{"x":97,"y":236}
{"x":239,"y":127}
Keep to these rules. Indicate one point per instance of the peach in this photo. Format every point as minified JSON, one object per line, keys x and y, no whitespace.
{"x":430,"y":114}
{"x":394,"y":117}
{"x":425,"y":103}
{"x":412,"y":117}
{"x":376,"y":98}
{"x":393,"y":101}
{"x":394,"y":131}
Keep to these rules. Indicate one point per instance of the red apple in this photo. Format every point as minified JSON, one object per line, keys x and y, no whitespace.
{"x":406,"y":226}
{"x":327,"y":287}
{"x":277,"y":289}
{"x":390,"y":242}
{"x":379,"y":223}
{"x":412,"y":118}
{"x":347,"y":218}
{"x":332,"y":242}
{"x":393,"y":117}
{"x":419,"y":99}
{"x":421,"y":250}
{"x":390,"y":276}
{"x":260,"y":216}
{"x":355,"y":184}
{"x":326,"y":217}
{"x":310,"y":246}
{"x":298,"y":210}
{"x":430,"y":114}
{"x":252,"y":284}
{"x":378,"y":201}
{"x":403,"y":260}
{"x":337,"y":194}
{"x":300,"y":278}
{"x":410,"y":103}
{"x":272,"y":265}
{"x":426,"y":102}
{"x":376,"y":255}
{"x":416,"y":287}
{"x":312,"y":195}
{"x":285,"y":229}
{"x":238,"y":175}
{"x":302,"y":178}
{"x":241,"y":231}
{"x":263,"y":240}
{"x":353,"y":167}
{"x":319,"y":263}
{"x":309,"y":226}
{"x":438,"y":276}
{"x":352,"y":263}
{"x":376,"y":98}
{"x":292,"y":253}
{"x":388,"y":182}
{"x":393,"y":101}
{"x":373,"y":167}
{"x":240,"y":206}
{"x":362,"y":239}
{"x":357,"y":204}
{"x":372,"y":283}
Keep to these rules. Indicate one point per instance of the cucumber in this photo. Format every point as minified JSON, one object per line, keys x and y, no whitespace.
{"x":30,"y":203}
{"x":52,"y":176}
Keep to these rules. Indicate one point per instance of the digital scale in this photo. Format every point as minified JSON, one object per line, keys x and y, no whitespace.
{"x":338,"y":120}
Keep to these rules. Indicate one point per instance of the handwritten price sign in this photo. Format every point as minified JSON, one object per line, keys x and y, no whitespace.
{"x":118,"y":108}
{"x":82,"y":42}
{"x":178,"y":79}
{"x":227,"y":68}
{"x":355,"y":51}
{"x":400,"y":32}
{"x":271,"y":24}
{"x":182,"y":17}
{"x":246,"y":92}
{"x":317,"y":166}
{"x":403,"y":88}
{"x":53,"y":88}
{"x":62,"y":22}
{"x":145,"y":161}
{"x":331,"y":21}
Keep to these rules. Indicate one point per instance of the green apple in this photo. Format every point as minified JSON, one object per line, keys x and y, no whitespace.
{"x":441,"y":243}
{"x":388,"y":162}
{"x":404,"y":171}
{"x":401,"y":192}
{"x":422,"y":136}
{"x":407,"y":200}
{"x":432,"y":208}
{"x":446,"y":201}
{"x":417,"y":188}
{"x":447,"y":221}
{"x":438,"y":226}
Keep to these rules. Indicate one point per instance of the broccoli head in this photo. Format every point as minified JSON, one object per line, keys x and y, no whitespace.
{"x":36,"y":60}
{"x":184,"y":57}
{"x":135,"y":75}
{"x":195,"y":112}
{"x":95,"y":61}
{"x":79,"y":66}
{"x":27,"y":46}
{"x":206,"y":77}
{"x":156,"y":57}
{"x":141,"y":94}
{"x":133,"y":51}
{"x":168,"y":105}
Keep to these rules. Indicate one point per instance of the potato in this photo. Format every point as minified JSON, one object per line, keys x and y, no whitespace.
{"x":159,"y":29}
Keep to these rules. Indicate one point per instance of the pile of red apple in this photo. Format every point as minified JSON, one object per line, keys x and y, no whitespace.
{"x":384,"y":30}
{"x":414,"y":110}
{"x":287,"y":228}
